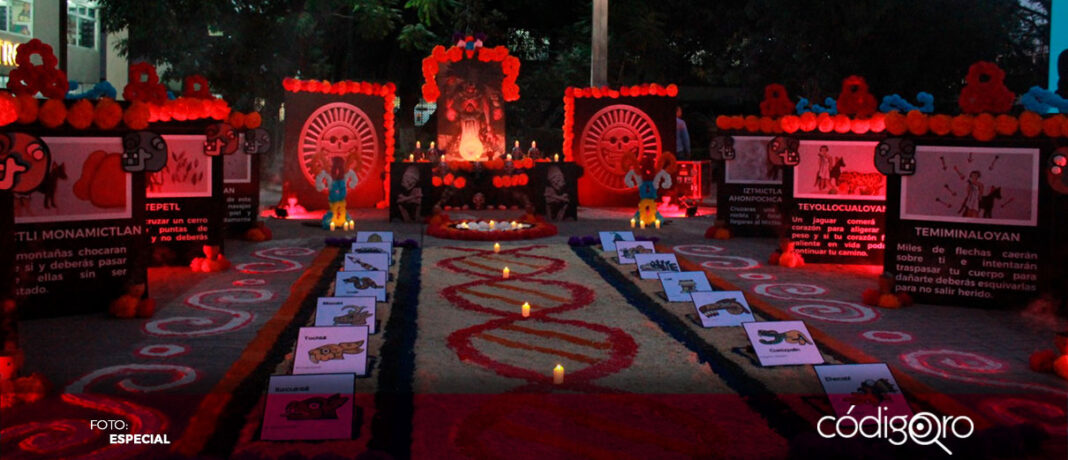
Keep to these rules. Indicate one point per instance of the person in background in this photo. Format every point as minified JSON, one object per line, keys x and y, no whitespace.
{"x":682,"y":137}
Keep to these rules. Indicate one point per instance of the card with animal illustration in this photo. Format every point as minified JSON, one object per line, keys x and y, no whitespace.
{"x":356,"y":261}
{"x":649,"y":265}
{"x":85,"y":182}
{"x":609,"y":239}
{"x":308,"y":407}
{"x":625,"y":250}
{"x":722,"y":308}
{"x":331,"y":350}
{"x":374,"y":237}
{"x":861,"y":389}
{"x":678,"y":286}
{"x":779,"y":343}
{"x":380,"y":247}
{"x":361,"y":283}
{"x":346,"y":311}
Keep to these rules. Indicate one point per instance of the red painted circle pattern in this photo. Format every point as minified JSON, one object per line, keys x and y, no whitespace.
{"x":162,"y":350}
{"x":887,"y":336}
{"x":756,"y":276}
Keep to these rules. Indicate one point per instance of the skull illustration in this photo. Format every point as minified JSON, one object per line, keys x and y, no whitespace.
{"x":24,"y":162}
{"x":896,"y":156}
{"x":722,"y":148}
{"x":618,"y":142}
{"x":221,"y":140}
{"x":257,"y":141}
{"x":143,"y":151}
{"x":338,"y":141}
{"x":782,"y":151}
{"x":1057,"y":170}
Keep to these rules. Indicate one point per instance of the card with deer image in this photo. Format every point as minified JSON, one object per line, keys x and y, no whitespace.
{"x":361,"y":283}
{"x":331,"y":350}
{"x":346,"y":311}
{"x":650,"y":265}
{"x":626,"y":250}
{"x":380,"y":247}
{"x":679,"y":286}
{"x":609,"y":239}
{"x":356,"y":261}
{"x":722,"y":308}
{"x":779,"y":343}
{"x":374,"y":237}
{"x":308,"y":407}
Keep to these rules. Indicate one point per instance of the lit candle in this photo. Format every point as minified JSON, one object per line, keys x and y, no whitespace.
{"x":526,"y":309}
{"x":642,"y":223}
{"x":657,"y":224}
{"x":332,"y":226}
{"x":411,"y":157}
{"x":496,"y":247}
{"x":493,"y":225}
{"x":506,"y":272}
{"x":509,"y":157}
{"x":418,"y":145}
{"x":556,"y":157}
{"x":558,"y":374}
{"x":514,"y":225}
{"x":632,"y":223}
{"x":352,"y":225}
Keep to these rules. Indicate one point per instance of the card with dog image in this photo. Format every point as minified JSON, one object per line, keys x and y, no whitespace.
{"x":679,"y":285}
{"x":722,"y":308}
{"x":779,"y":343}
{"x":626,"y":250}
{"x":331,"y":350}
{"x":308,"y":407}
{"x":346,"y":311}
{"x":361,"y":283}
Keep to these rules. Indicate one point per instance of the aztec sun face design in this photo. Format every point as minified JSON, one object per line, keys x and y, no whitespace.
{"x":614,"y":137}
{"x":338,"y":130}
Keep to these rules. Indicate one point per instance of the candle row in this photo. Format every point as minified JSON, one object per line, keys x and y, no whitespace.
{"x":558,"y":371}
{"x":634,"y":222}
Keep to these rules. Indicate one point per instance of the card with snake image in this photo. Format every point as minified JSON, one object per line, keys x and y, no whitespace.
{"x":783,"y":343}
{"x":362,"y":261}
{"x":361,"y":283}
{"x":308,"y":407}
{"x":380,"y":247}
{"x":346,"y":311}
{"x":722,"y":308}
{"x":331,"y":350}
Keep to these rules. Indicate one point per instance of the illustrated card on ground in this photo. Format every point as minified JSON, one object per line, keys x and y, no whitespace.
{"x":346,"y":311}
{"x":861,"y":389}
{"x":722,"y":308}
{"x":609,"y":239}
{"x":308,"y":407}
{"x":374,"y":237}
{"x":649,"y":265}
{"x":625,"y":250}
{"x":679,"y":286}
{"x":357,"y":261}
{"x":779,"y":343}
{"x":374,"y":248}
{"x":361,"y":283}
{"x":331,"y":350}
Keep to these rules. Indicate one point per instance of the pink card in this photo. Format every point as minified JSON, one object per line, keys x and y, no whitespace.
{"x":301,"y":407}
{"x":861,"y":390}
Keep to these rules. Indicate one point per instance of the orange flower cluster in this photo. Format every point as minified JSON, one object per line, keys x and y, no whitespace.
{"x":515,"y":180}
{"x":983,"y":127}
{"x":439,"y":55}
{"x":386,"y":91}
{"x":449,"y":181}
{"x":106,"y":113}
{"x":571,"y":93}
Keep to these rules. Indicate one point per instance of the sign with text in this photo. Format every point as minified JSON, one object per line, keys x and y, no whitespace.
{"x":837,"y":208}
{"x":779,"y":343}
{"x":346,"y":311}
{"x":185,"y":207}
{"x":860,"y":390}
{"x":79,"y":238}
{"x":750,"y":195}
{"x":331,"y":350}
{"x":307,"y":407}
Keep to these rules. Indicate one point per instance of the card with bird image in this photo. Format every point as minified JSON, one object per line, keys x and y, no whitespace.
{"x":373,"y":248}
{"x":860,"y":390}
{"x":361,"y":283}
{"x":780,"y":343}
{"x":308,"y":407}
{"x":346,"y":311}
{"x":650,"y":265}
{"x":609,"y":239}
{"x":331,"y":350}
{"x":366,"y":261}
{"x":678,"y":286}
{"x":626,"y":250}
{"x":374,"y":237}
{"x":722,"y":308}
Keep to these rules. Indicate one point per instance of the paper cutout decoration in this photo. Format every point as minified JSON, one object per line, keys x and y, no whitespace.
{"x":722,"y":308}
{"x":896,"y":156}
{"x":308,"y":407}
{"x":861,"y":389}
{"x":374,"y":237}
{"x":360,"y":284}
{"x":679,"y":286}
{"x":722,"y":148}
{"x":608,"y":239}
{"x":221,"y":139}
{"x":331,"y":350}
{"x":256,"y":141}
{"x":374,"y":248}
{"x":346,"y":311}
{"x":779,"y":343}
{"x":649,"y":265}
{"x":143,"y":151}
{"x":357,"y":261}
{"x":626,"y":250}
{"x":25,"y":161}
{"x":783,"y":151}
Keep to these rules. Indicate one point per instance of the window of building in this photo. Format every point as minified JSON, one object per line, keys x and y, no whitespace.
{"x":82,"y":23}
{"x":16,"y":16}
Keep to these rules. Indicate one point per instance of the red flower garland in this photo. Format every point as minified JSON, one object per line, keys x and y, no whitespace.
{"x":108,"y":114}
{"x":27,"y":106}
{"x":439,"y":55}
{"x":8,"y":109}
{"x":985,"y":90}
{"x":29,"y":78}
{"x":80,"y":115}
{"x":137,"y":116}
{"x":53,"y":112}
